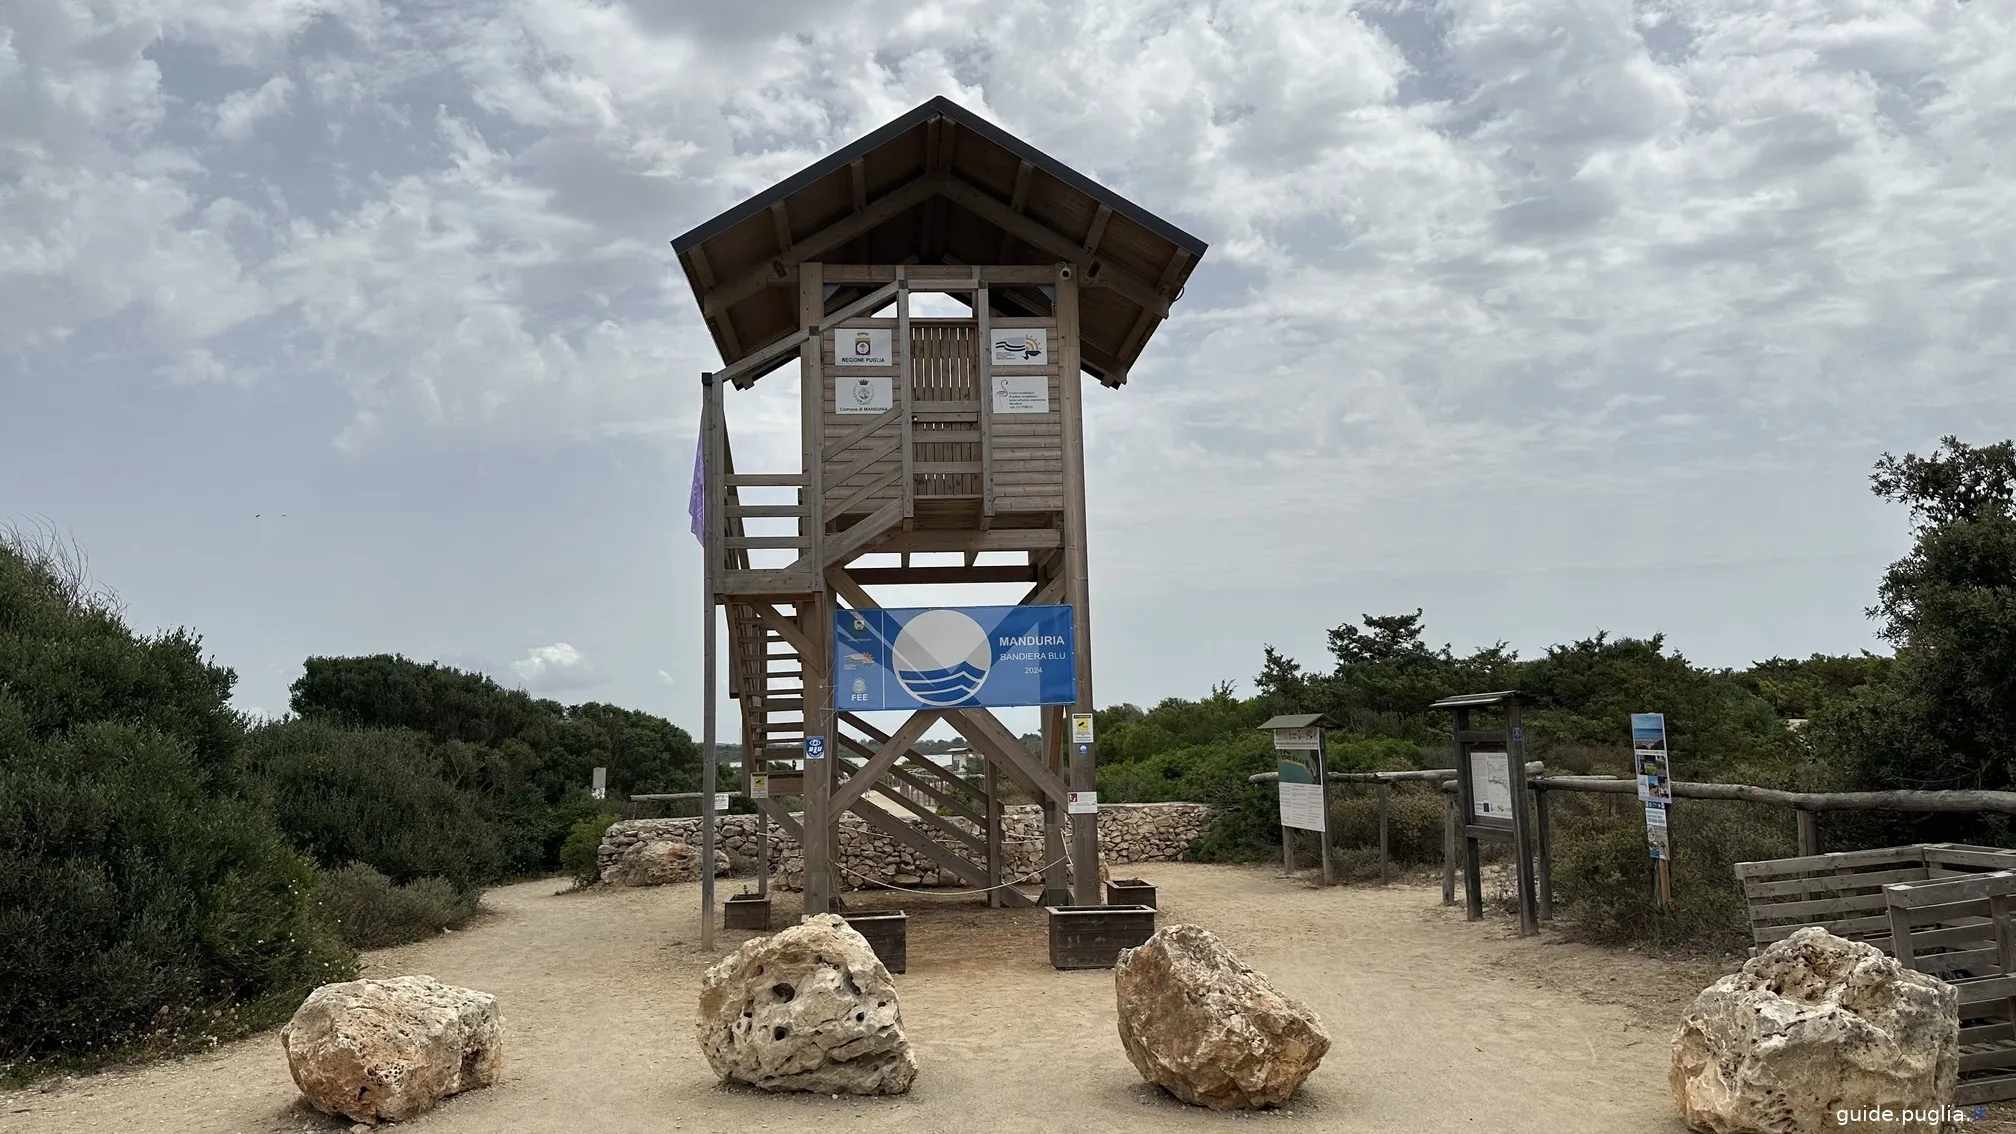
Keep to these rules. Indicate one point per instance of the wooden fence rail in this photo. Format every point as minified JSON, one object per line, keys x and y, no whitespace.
{"x":1806,"y":806}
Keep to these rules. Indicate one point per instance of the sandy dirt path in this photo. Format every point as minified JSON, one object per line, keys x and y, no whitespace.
{"x":1439,"y":1025}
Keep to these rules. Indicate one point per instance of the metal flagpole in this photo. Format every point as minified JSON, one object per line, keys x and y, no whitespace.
{"x":707,"y":477}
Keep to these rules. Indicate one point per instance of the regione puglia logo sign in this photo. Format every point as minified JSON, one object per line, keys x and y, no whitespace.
{"x":942,"y":657}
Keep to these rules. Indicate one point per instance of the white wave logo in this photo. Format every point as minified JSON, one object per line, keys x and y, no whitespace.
{"x":942,"y":657}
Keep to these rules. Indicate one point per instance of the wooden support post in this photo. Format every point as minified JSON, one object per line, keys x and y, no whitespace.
{"x":1522,"y":836}
{"x":1385,"y":791}
{"x":710,"y":449}
{"x":1473,"y":866}
{"x":762,"y":849}
{"x":1543,"y":809}
{"x":994,"y":820}
{"x":1054,"y":891}
{"x":1084,"y":770}
{"x":1449,"y":848}
{"x":814,"y":617}
{"x":1809,"y":832}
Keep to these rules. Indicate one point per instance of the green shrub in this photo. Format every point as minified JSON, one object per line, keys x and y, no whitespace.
{"x":1603,"y":877}
{"x":1413,"y":825}
{"x":141,"y":901}
{"x":375,"y":796}
{"x":370,"y":911}
{"x":577,"y":856}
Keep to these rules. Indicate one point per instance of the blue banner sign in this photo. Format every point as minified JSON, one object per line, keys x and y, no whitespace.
{"x":954,"y":658}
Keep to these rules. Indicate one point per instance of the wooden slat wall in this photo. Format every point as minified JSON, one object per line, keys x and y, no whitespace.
{"x":946,"y":396}
{"x":1028,"y":449}
{"x":845,"y":476}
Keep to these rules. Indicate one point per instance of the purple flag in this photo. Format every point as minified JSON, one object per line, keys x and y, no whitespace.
{"x":696,"y":504}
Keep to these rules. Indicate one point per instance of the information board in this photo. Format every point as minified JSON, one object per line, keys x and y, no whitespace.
{"x":1299,"y":771}
{"x":954,"y":658}
{"x":1658,"y":836}
{"x":1649,"y":755}
{"x":1491,"y":785}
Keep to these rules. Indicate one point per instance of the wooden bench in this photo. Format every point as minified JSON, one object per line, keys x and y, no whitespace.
{"x":1960,"y":929}
{"x":1843,"y":892}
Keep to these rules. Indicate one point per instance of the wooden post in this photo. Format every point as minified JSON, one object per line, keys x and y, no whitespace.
{"x":1543,"y":808}
{"x":1473,"y":866}
{"x":1809,"y":832}
{"x":1385,"y":790}
{"x":1055,"y":893}
{"x":711,"y":464}
{"x":815,"y":615}
{"x":1522,"y":840}
{"x":993,"y":784}
{"x":1449,"y":848}
{"x":762,"y":852}
{"x":1084,"y":770}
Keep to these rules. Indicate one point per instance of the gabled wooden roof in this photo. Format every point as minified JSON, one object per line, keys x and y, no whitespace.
{"x":940,"y":186}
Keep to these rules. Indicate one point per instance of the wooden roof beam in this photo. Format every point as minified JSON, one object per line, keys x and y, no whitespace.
{"x":1097,"y":232}
{"x":1096,"y":272}
{"x":723,"y":329}
{"x":780,"y":222}
{"x":812,"y":245}
{"x":1017,"y":201}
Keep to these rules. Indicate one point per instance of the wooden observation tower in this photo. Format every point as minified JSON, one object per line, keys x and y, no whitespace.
{"x":957,"y":441}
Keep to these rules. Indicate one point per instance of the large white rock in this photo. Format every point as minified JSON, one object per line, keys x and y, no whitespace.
{"x":386,"y":1050}
{"x":806,"y":1009}
{"x":1815,"y":1028}
{"x":1201,"y":1025}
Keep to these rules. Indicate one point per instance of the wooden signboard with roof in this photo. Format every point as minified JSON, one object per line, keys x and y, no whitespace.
{"x":922,"y":437}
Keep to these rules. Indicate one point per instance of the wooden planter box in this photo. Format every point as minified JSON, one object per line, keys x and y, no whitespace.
{"x":1130,"y":892}
{"x":1091,"y":937}
{"x":746,"y":911}
{"x":888,"y":934}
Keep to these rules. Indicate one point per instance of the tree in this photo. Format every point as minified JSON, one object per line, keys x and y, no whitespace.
{"x":1950,"y":609}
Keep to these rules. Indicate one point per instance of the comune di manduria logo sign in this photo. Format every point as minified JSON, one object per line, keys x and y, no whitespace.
{"x":950,"y":658}
{"x":941,"y":657}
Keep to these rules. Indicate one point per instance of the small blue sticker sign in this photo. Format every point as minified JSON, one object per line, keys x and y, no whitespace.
{"x":815,"y":748}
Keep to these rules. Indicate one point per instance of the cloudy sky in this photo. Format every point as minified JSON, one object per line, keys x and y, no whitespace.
{"x":343,"y":326}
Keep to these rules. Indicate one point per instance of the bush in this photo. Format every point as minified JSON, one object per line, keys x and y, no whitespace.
{"x":1604,"y":878}
{"x":1413,"y":825}
{"x":141,"y":900}
{"x":370,"y":911}
{"x":374,"y":796}
{"x":577,"y":855}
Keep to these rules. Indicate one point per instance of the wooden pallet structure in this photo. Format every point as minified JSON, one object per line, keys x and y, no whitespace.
{"x":1843,"y":892}
{"x":937,"y":201}
{"x":1941,"y":908}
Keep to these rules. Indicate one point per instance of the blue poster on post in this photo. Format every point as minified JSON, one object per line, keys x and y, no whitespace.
{"x":954,"y":658}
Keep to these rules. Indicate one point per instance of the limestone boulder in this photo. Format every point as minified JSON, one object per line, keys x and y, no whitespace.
{"x":659,"y":862}
{"x":806,"y":1009}
{"x":387,"y":1050}
{"x":1201,"y":1025}
{"x":1812,"y":1027}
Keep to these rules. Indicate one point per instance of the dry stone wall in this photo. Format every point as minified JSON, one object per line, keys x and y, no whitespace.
{"x":1128,"y":832}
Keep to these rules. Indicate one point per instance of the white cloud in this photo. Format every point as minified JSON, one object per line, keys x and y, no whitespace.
{"x":555,"y":668}
{"x":1467,"y":248}
{"x":242,"y":111}
{"x":666,"y":678}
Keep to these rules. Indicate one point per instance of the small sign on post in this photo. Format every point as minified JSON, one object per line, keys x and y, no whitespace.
{"x":1649,"y":756}
{"x":1082,"y":803}
{"x":815,"y":748}
{"x":598,"y":784}
{"x":759,"y":785}
{"x":1302,"y":779}
{"x":720,"y":802}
